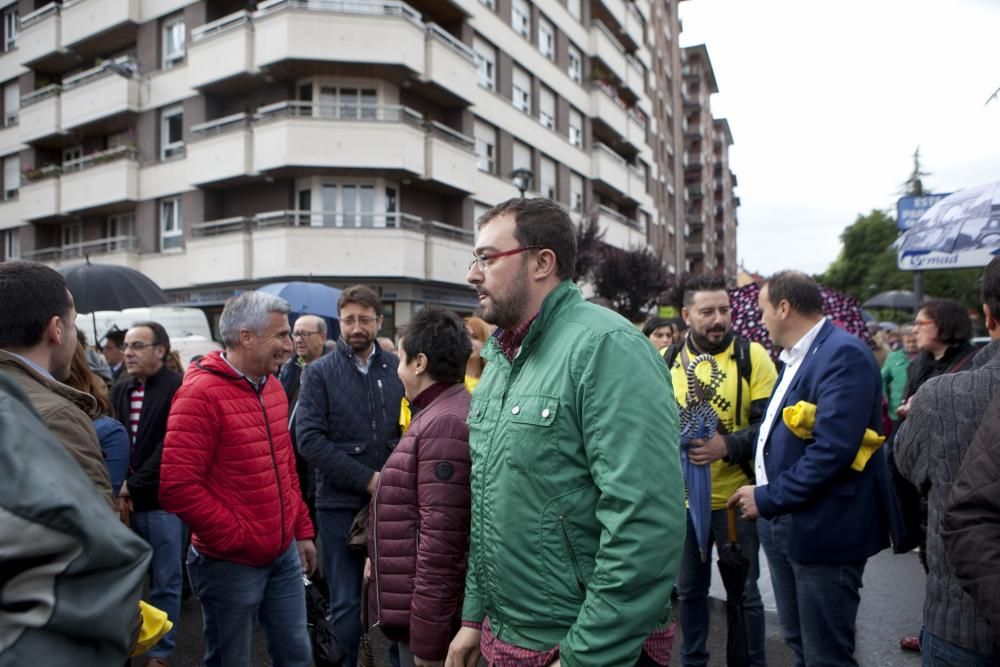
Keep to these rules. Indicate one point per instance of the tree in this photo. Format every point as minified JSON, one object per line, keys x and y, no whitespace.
{"x":631,"y":280}
{"x":914,"y":185}
{"x":589,"y":246}
{"x":867,"y":265}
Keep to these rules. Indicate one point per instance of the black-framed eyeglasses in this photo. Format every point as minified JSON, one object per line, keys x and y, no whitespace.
{"x":138,"y":346}
{"x":482,"y":261}
{"x":304,"y":334}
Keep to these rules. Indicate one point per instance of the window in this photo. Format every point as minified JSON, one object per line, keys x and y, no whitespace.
{"x":520,"y":17}
{"x":546,"y":39}
{"x":546,"y":108}
{"x":522,"y":90}
{"x":486,"y":63}
{"x":348,"y":103}
{"x":173,"y":42}
{"x":522,"y":156}
{"x":576,"y":192}
{"x":11,"y":103}
{"x":486,"y":141}
{"x":118,"y":229}
{"x":350,"y":205}
{"x":10,"y":27}
{"x":547,"y":179}
{"x":576,"y":128}
{"x":11,"y":176}
{"x":573,"y":6}
{"x":171,"y":225}
{"x":575,"y":69}
{"x":12,"y":244}
{"x":72,"y":237}
{"x":171,"y":135}
{"x":72,"y":155}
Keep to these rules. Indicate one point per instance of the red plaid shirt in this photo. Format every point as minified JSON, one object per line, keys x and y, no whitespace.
{"x":510,"y":340}
{"x":498,"y":653}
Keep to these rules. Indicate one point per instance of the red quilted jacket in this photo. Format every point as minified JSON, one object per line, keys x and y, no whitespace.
{"x":228,"y":470}
{"x":418,"y":537}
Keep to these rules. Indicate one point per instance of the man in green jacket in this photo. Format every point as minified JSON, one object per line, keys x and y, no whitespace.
{"x":577,"y":495}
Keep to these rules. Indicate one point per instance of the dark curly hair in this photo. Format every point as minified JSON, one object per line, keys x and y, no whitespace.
{"x":439,"y":335}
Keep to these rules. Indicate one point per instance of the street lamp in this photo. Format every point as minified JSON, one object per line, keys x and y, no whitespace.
{"x":522,"y":179}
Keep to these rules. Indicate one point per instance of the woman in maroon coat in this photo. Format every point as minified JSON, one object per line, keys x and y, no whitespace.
{"x":418,"y":536}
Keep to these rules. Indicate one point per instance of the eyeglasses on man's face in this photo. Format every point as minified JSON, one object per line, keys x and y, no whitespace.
{"x":137,"y":346}
{"x":363,"y":320}
{"x":304,"y":335}
{"x":482,"y":261}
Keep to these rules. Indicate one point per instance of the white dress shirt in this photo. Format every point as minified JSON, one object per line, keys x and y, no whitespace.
{"x":792,"y":358}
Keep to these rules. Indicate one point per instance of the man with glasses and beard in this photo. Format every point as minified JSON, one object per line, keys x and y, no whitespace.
{"x":577,"y":497}
{"x":738,"y":393}
{"x":346,"y":425}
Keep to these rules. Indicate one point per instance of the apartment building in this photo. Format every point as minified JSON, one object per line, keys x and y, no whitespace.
{"x":710,"y":210}
{"x":218,"y":145}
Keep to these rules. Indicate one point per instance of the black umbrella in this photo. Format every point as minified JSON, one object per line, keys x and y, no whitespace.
{"x":893,"y":300}
{"x":734,"y":567}
{"x":108,"y":287}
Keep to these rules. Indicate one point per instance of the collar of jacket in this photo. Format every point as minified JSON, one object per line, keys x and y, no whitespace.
{"x":86,"y":402}
{"x":152,"y":381}
{"x":984,"y":356}
{"x":563,"y":296}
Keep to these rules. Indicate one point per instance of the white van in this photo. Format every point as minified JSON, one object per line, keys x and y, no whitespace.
{"x":179,"y":322}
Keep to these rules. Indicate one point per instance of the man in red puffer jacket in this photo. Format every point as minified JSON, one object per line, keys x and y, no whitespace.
{"x":228,"y":471}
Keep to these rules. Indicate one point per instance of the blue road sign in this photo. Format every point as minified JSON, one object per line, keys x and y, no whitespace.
{"x":909,"y":209}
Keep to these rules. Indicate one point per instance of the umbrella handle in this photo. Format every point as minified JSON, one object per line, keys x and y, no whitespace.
{"x":731,"y":524}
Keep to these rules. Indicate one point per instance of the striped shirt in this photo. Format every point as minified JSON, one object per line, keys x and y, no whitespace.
{"x":134,"y":410}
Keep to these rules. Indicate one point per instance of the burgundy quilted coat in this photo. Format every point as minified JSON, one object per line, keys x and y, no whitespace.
{"x":418,"y":537}
{"x":228,"y":470}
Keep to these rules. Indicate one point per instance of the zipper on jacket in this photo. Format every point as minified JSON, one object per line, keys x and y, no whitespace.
{"x":381,"y":394}
{"x":572,"y":555}
{"x":371,"y":409}
{"x":374,"y":523}
{"x":277,"y":475}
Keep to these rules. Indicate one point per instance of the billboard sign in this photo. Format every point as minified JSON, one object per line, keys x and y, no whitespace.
{"x":909,"y":210}
{"x":960,"y":231}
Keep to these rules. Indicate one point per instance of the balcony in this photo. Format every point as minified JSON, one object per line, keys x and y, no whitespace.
{"x":608,"y":109}
{"x":221,"y":50}
{"x":616,"y":9}
{"x":83,"y":19}
{"x":41,"y":113}
{"x":609,"y":168}
{"x":265,"y":245}
{"x":634,"y":26}
{"x":637,"y":185}
{"x":636,"y":134}
{"x":450,"y":158}
{"x":99,"y":179}
{"x":40,"y":194}
{"x":339,"y":31}
{"x":449,"y":63}
{"x":609,"y":50}
{"x":695,"y":249}
{"x":40,"y":40}
{"x":98,"y":94}
{"x":221,"y":150}
{"x":619,"y":231}
{"x":635,"y":76}
{"x":96,"y":247}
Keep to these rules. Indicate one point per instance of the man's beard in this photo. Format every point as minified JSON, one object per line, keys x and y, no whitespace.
{"x":506,"y":309}
{"x":360,"y":343}
{"x":705,"y":345}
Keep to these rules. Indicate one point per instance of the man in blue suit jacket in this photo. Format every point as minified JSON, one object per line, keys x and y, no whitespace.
{"x":820,"y":520}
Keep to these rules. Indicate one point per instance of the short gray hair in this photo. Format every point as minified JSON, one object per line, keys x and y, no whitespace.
{"x":248,"y":311}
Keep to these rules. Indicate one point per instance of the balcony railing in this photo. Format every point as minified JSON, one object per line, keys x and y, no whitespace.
{"x":439,"y":33}
{"x":617,"y":217}
{"x":220,"y":25}
{"x":220,"y":125}
{"x":390,"y":113}
{"x":330,"y":219}
{"x":95,"y":247}
{"x":363,"y":7}
{"x":39,"y":14}
{"x":463,"y":141}
{"x":100,"y":157}
{"x":36,"y":96}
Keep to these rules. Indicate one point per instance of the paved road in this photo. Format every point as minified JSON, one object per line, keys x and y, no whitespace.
{"x":891,"y":604}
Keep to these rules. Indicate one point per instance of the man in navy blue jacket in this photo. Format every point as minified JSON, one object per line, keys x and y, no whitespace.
{"x":346,"y":425}
{"x":820,"y":520}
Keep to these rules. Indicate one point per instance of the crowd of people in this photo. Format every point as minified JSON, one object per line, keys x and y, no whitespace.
{"x":507,"y":487}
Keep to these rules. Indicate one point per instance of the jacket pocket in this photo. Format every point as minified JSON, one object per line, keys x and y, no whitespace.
{"x":353,"y":447}
{"x":573,"y":560}
{"x":532,"y":441}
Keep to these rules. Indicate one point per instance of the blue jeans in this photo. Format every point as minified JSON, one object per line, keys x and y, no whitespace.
{"x":164,"y":533}
{"x":817,"y":603}
{"x":234,"y":596}
{"x":693,"y":582}
{"x":344,"y":570}
{"x":940,"y":653}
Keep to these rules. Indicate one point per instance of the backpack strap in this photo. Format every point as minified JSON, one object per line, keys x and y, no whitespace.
{"x":741,"y":349}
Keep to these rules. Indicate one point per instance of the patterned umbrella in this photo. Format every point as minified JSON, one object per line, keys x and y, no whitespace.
{"x":844,"y":311}
{"x":698,"y":420}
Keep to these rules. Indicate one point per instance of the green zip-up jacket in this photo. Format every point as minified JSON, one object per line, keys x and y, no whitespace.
{"x":894,"y":379}
{"x":577,"y":494}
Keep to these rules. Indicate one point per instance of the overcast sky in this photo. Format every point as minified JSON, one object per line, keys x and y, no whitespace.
{"x":828,"y":100}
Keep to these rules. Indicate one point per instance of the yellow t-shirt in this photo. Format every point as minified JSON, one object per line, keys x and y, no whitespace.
{"x":726,"y":478}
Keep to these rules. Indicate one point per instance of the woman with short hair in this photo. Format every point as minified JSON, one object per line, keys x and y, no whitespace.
{"x":418,"y":535}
